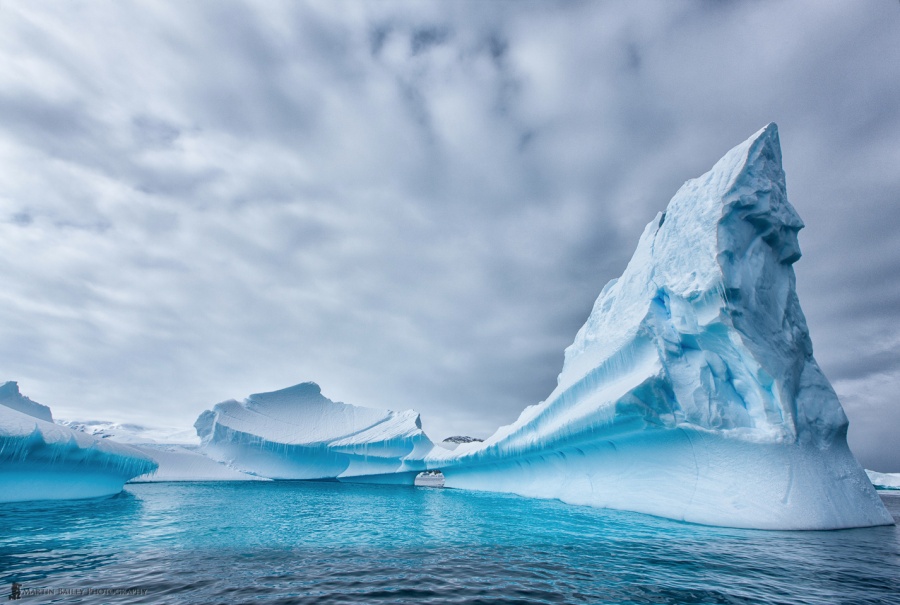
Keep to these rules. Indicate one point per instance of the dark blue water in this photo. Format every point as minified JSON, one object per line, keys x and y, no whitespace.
{"x":338,"y":543}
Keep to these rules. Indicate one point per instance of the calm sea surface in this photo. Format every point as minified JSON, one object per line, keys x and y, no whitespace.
{"x":297,"y":542}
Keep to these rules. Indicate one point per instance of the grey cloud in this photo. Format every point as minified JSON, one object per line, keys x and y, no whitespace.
{"x":425,"y":37}
{"x":22,"y":219}
{"x":150,"y":131}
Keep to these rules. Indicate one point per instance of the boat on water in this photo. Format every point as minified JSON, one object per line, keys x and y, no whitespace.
{"x":430,"y":479}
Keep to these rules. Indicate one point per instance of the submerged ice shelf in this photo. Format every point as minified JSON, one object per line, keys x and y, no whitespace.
{"x":40,"y":460}
{"x":691,"y":392}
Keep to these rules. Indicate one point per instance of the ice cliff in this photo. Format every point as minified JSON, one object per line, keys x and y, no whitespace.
{"x":297,"y":433}
{"x":40,"y":460}
{"x":691,"y":392}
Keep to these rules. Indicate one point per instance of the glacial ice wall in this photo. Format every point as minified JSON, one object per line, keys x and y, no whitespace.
{"x":691,"y":392}
{"x":40,"y":460}
{"x":297,"y":433}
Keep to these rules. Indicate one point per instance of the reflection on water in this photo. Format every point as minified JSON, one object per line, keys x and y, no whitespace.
{"x":332,"y":542}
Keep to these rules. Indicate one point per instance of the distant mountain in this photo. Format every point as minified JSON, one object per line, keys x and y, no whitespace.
{"x":461,"y":439}
{"x":132,"y":433}
{"x":451,"y":443}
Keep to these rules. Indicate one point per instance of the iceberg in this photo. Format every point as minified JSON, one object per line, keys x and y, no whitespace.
{"x":887,"y":481}
{"x":691,"y":392}
{"x":184,"y":462}
{"x":41,"y":460}
{"x":133,"y":434}
{"x":297,"y":433}
{"x":175,"y":451}
{"x":13,"y":399}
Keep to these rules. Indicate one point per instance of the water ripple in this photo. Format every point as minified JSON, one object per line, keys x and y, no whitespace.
{"x":335,"y":543}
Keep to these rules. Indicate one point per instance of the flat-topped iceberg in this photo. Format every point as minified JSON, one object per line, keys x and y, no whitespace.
{"x":297,"y":433}
{"x":40,"y":460}
{"x":884,"y":480}
{"x":691,"y":392}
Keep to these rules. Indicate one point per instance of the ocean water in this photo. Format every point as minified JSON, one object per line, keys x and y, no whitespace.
{"x":309,"y":542}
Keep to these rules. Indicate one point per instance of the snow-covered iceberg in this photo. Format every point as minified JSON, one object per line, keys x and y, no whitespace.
{"x":297,"y":433}
{"x":175,"y":451}
{"x":185,"y":462}
{"x":133,"y":434}
{"x":692,"y":392}
{"x":41,"y":460}
{"x":884,"y":480}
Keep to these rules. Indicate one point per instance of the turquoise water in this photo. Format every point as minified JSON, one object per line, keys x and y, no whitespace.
{"x":307,"y":542}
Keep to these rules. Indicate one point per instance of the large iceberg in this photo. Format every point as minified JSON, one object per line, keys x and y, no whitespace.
{"x":41,"y":460}
{"x":691,"y":392}
{"x":297,"y":433}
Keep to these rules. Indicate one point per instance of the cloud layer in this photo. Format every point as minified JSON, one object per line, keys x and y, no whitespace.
{"x":414,"y":204}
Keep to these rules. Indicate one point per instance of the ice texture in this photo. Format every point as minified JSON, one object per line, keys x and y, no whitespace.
{"x":297,"y":433}
{"x":691,"y":392}
{"x":40,"y":460}
{"x":884,"y":480}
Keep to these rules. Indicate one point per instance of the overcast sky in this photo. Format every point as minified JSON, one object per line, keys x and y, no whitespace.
{"x":414,"y":204}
